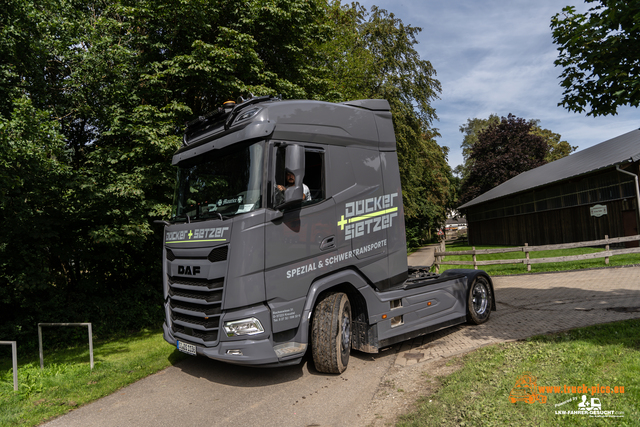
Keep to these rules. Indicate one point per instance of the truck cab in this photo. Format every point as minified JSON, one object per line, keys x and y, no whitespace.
{"x":287,"y":231}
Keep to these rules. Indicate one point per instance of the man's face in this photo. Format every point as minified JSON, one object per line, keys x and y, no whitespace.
{"x":291,"y":179}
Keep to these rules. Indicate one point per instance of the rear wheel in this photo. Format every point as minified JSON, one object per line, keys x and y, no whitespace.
{"x":331,"y":333}
{"x":480,"y":301}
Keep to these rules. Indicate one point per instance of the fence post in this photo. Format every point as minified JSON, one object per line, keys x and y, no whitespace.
{"x":441,"y":248}
{"x":40,"y":347}
{"x":14,"y":358}
{"x":475,"y":266}
{"x":40,"y":325}
{"x":90,"y":345}
{"x":526,"y":252}
{"x":606,"y":248}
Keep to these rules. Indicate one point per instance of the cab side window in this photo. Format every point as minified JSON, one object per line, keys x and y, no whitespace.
{"x":313,"y":178}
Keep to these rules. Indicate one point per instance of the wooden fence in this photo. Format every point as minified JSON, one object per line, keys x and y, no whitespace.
{"x":440,"y":254}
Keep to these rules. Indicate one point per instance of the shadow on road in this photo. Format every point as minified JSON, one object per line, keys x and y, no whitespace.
{"x":239,"y":376}
{"x":247,"y":376}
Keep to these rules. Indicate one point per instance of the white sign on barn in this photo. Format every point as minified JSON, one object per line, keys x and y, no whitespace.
{"x":598,"y":210}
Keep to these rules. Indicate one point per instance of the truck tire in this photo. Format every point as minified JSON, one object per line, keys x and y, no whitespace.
{"x":331,"y":334}
{"x":480,"y":301}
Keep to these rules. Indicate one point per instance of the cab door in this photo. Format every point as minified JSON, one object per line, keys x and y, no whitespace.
{"x":299,"y":238}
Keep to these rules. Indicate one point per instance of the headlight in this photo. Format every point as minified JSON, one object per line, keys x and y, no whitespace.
{"x":250,"y":326}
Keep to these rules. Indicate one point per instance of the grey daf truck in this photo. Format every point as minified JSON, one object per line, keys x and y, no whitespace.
{"x":287,"y":235}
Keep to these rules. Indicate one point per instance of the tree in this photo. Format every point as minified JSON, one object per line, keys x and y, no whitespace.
{"x":557,"y":149}
{"x":600,"y":53}
{"x":503,"y":150}
{"x":471,"y":130}
{"x":94,"y":97}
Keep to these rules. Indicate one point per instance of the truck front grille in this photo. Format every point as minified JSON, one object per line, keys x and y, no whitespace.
{"x":214,"y":296}
{"x":204,"y":336}
{"x":207,"y":311}
{"x":182,"y":282}
{"x":206,"y":322}
{"x":196,"y":307}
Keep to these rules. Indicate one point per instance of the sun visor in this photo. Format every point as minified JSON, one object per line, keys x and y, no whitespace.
{"x":370,"y":104}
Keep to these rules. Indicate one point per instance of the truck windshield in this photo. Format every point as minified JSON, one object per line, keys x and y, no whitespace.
{"x":220,"y":184}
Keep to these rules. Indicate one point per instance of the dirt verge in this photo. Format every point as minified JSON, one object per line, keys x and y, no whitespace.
{"x":402,"y":387}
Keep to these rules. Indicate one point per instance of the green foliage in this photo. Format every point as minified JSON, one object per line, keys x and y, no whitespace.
{"x":471,"y":130}
{"x":93,"y":100}
{"x":556,"y":149}
{"x":600,"y":53}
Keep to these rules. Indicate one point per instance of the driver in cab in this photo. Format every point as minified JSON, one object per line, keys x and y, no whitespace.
{"x":290,"y":181}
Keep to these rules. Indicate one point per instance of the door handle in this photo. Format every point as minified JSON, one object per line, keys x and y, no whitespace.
{"x":328,"y":243}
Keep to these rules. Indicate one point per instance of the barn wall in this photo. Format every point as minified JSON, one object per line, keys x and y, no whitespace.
{"x":567,"y":225}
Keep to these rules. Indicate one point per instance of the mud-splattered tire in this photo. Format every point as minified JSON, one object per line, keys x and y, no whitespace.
{"x":331,"y":334}
{"x":480,"y":301}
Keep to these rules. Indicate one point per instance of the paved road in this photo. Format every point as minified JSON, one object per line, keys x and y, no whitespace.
{"x":199,"y":391}
{"x":422,"y":257}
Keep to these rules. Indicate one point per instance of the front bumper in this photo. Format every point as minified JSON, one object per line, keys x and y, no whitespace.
{"x":254,"y":351}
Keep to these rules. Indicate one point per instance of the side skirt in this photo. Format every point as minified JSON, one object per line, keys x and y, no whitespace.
{"x":429,"y":329}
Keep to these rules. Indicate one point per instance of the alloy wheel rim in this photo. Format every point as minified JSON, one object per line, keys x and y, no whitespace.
{"x":480,"y":298}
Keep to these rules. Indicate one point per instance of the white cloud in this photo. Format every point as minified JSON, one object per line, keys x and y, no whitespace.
{"x":497,"y":57}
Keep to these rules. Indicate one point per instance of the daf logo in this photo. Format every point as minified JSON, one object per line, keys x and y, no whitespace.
{"x":188,"y":270}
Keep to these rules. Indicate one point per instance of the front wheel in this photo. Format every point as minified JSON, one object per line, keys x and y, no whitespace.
{"x":331,"y":334}
{"x":480,"y":301}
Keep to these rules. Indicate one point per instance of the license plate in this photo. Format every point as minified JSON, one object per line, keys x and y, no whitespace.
{"x":187,"y":348}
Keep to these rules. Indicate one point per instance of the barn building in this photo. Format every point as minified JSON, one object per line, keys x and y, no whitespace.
{"x":584,"y":196}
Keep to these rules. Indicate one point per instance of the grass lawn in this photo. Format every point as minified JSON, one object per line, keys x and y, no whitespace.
{"x":67,"y":381}
{"x":478,"y":394}
{"x":508,"y":269}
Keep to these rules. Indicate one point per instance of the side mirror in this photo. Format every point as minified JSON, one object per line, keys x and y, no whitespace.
{"x":294,"y":163}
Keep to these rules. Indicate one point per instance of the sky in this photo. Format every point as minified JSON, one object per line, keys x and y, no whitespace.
{"x":496,"y":57}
